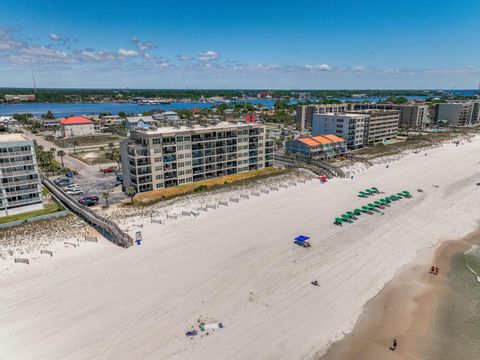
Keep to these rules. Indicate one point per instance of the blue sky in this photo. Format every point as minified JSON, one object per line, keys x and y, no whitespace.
{"x":248,"y":44}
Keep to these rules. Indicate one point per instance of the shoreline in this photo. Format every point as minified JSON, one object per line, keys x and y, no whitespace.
{"x":405,"y":309}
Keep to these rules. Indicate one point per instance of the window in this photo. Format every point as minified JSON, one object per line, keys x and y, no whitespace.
{"x":188,"y":155}
{"x":159,"y":185}
{"x":159,"y":177}
{"x":181,"y":164}
{"x":157,"y":151}
{"x":158,"y":159}
{"x":188,"y":171}
{"x":156,"y":141}
{"x":188,"y":163}
{"x":187,"y":147}
{"x":186,"y":138}
{"x":181,"y":173}
{"x":158,"y":168}
{"x":179,"y":138}
{"x":181,"y":181}
{"x":179,"y":147}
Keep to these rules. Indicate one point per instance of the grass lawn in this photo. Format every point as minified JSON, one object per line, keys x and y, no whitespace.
{"x":165,"y":194}
{"x":103,"y":139}
{"x":47,"y":209}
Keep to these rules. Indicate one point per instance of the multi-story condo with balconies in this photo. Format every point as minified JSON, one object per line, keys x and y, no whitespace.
{"x":382,"y":125}
{"x":353,"y":128}
{"x":169,"y":156}
{"x":20,"y":189}
{"x":412,"y":116}
{"x":461,"y":113}
{"x":304,"y":113}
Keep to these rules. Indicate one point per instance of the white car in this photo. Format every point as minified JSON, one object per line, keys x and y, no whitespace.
{"x":76,"y":191}
{"x":71,"y":186}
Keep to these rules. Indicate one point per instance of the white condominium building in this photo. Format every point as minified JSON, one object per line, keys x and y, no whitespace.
{"x":170,"y":156}
{"x":382,"y":125}
{"x":20,"y":189}
{"x":353,"y":128}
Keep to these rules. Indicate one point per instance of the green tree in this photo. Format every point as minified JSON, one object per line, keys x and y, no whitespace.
{"x":122,"y":115}
{"x":61,"y":153}
{"x":106,"y":196}
{"x":130,"y":192}
{"x":48,"y":115}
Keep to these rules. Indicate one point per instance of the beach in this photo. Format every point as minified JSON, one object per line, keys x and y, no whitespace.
{"x":238,"y":265}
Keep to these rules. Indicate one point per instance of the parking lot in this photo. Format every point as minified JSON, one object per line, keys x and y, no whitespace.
{"x":98,"y":183}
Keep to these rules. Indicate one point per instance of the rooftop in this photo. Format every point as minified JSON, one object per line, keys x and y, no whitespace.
{"x":75,"y":120}
{"x":173,"y":129}
{"x":13,"y":138}
{"x":136,"y":119}
{"x":320,"y":140}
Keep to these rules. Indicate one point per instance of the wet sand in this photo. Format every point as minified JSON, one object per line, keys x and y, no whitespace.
{"x":405,"y":309}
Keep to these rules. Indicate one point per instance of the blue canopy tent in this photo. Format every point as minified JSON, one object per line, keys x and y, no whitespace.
{"x":302,"y":240}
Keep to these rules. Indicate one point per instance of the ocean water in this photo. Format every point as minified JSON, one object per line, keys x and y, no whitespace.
{"x":456,"y":329}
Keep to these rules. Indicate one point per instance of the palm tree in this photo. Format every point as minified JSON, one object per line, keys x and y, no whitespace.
{"x":106,"y":196}
{"x":61,"y":153}
{"x":130,"y":192}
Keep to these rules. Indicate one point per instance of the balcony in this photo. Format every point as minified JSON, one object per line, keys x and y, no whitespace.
{"x":16,"y":163}
{"x":197,"y":154}
{"x":169,"y":149}
{"x":170,"y":175}
{"x":169,"y":167}
{"x":169,"y":158}
{"x":14,"y":153}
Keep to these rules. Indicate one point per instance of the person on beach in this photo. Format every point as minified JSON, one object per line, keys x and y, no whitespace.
{"x":436,"y":271}
{"x":432,"y":269}
{"x":394,"y":345}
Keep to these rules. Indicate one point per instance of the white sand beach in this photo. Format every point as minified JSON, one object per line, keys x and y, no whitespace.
{"x":238,"y":265}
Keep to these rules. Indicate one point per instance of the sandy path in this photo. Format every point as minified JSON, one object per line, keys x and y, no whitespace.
{"x":239,"y":265}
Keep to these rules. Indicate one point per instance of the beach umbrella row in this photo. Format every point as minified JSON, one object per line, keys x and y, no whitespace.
{"x":368,"y":192}
{"x":350,"y":216}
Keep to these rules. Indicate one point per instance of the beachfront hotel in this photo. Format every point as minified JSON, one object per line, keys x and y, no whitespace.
{"x":20,"y":189}
{"x":169,"y":156}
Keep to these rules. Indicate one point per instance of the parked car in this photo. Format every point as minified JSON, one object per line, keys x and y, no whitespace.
{"x":71,"y":186}
{"x":107,"y":170}
{"x":61,"y":180}
{"x":63,"y":183}
{"x":119,"y":178}
{"x":76,"y":191}
{"x":88,"y":202}
{"x":92,"y":198}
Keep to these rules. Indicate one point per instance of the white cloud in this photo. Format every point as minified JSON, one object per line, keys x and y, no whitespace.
{"x":55,"y":37}
{"x":143,"y":46}
{"x":360,"y":69}
{"x":127,"y":53}
{"x":208,"y":56}
{"x":321,"y":67}
{"x":185,"y":57}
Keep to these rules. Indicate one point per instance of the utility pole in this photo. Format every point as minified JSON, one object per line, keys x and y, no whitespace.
{"x":34,"y":85}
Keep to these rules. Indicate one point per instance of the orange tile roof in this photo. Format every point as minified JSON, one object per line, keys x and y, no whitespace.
{"x":308,"y":141}
{"x":334,"y":138}
{"x":73,"y":120}
{"x":321,"y":139}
